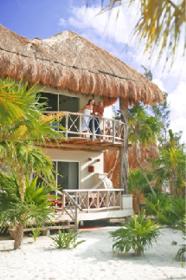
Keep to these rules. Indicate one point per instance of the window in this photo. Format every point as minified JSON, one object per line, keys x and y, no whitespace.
{"x":67,"y":174}
{"x":58,"y":102}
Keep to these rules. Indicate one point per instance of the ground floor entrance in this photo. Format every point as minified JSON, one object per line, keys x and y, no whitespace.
{"x":66,"y":174}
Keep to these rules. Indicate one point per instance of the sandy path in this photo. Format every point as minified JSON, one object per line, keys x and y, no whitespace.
{"x":91,"y":260}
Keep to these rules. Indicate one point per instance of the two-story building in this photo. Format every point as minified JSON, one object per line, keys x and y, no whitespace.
{"x":71,"y":70}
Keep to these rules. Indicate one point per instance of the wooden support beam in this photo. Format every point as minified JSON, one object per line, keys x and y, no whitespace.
{"x":124,"y":147}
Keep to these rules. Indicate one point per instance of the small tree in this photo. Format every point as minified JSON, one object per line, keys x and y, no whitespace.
{"x":22,"y":125}
{"x":171,"y":164}
{"x":143,"y":131}
{"x":136,"y":235}
{"x":16,"y":213}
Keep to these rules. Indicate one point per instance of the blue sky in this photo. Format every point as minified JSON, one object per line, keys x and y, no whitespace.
{"x":34,"y":18}
{"x":44,"y":18}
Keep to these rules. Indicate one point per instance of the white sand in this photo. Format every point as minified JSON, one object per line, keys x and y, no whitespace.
{"x":91,"y":260}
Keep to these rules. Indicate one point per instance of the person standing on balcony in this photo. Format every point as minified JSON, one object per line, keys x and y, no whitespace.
{"x":87,"y":112}
{"x":98,"y":111}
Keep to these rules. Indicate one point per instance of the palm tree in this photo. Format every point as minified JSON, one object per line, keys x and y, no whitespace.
{"x":143,"y":131}
{"x":171,"y":164}
{"x":22,"y":124}
{"x":17,"y":213}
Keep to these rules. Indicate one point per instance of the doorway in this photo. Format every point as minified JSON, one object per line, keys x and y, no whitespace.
{"x":67,"y":174}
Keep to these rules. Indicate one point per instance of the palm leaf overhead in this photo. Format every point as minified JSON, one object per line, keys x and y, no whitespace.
{"x":16,"y":101}
{"x":22,"y":113}
{"x":143,"y":128}
{"x":162,"y":24}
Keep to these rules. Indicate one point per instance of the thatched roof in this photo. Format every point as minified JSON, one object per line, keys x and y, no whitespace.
{"x":68,"y":61}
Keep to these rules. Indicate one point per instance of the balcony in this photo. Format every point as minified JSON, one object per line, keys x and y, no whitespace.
{"x":103,"y":130}
{"x":92,"y":204}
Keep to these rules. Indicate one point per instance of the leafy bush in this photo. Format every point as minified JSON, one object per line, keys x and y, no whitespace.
{"x":137,"y":181}
{"x":168,"y":210}
{"x":181,"y":254}
{"x":138,"y":233}
{"x":36,"y":233}
{"x":66,"y":240}
{"x":35,"y":208}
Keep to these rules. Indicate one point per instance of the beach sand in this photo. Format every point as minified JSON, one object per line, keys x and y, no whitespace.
{"x":91,"y":260}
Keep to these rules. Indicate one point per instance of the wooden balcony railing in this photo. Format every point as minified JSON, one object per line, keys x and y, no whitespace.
{"x":105,"y":129}
{"x":93,"y":199}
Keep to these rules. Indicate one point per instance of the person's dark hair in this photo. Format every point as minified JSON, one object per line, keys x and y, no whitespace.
{"x":88,"y":103}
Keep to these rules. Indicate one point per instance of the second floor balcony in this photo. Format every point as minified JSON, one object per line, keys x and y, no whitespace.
{"x":97,"y":129}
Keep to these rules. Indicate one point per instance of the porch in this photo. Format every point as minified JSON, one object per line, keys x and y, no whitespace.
{"x":92,"y":204}
{"x":103,"y":130}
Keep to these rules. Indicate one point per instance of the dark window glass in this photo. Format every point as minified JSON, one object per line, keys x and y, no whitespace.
{"x":67,"y":175}
{"x":50,"y":99}
{"x":68,"y":103}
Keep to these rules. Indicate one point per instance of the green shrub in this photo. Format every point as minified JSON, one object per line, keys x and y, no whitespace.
{"x":66,"y":240}
{"x":34,"y":209}
{"x":136,"y":235}
{"x":36,"y":233}
{"x":168,"y":210}
{"x":179,"y":208}
{"x":137,"y":181}
{"x":181,"y":254}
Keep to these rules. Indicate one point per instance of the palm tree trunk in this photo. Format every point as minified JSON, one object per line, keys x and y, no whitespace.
{"x":124,"y":150}
{"x":17,"y":234}
{"x":138,"y":151}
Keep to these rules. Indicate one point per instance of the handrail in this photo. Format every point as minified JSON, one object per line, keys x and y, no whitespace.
{"x":82,"y":114}
{"x":92,"y":190}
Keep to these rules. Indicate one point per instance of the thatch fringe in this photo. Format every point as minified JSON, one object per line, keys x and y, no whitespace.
{"x":70,"y":62}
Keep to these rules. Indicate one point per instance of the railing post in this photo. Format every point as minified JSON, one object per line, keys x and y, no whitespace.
{"x":66,"y":125}
{"x":113,"y":131}
{"x":107,"y":198}
{"x":98,"y":200}
{"x":76,"y":219}
{"x":87,"y":200}
{"x":114,"y":199}
{"x":93,"y":128}
{"x":76,"y":197}
{"x":103,"y":128}
{"x":80,"y":123}
{"x":120,"y":199}
{"x":64,"y":200}
{"x":58,"y":123}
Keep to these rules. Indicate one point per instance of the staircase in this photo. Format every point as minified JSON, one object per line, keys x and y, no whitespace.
{"x":70,"y":208}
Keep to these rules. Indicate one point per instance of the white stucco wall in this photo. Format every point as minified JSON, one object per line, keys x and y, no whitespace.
{"x":85,"y":158}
